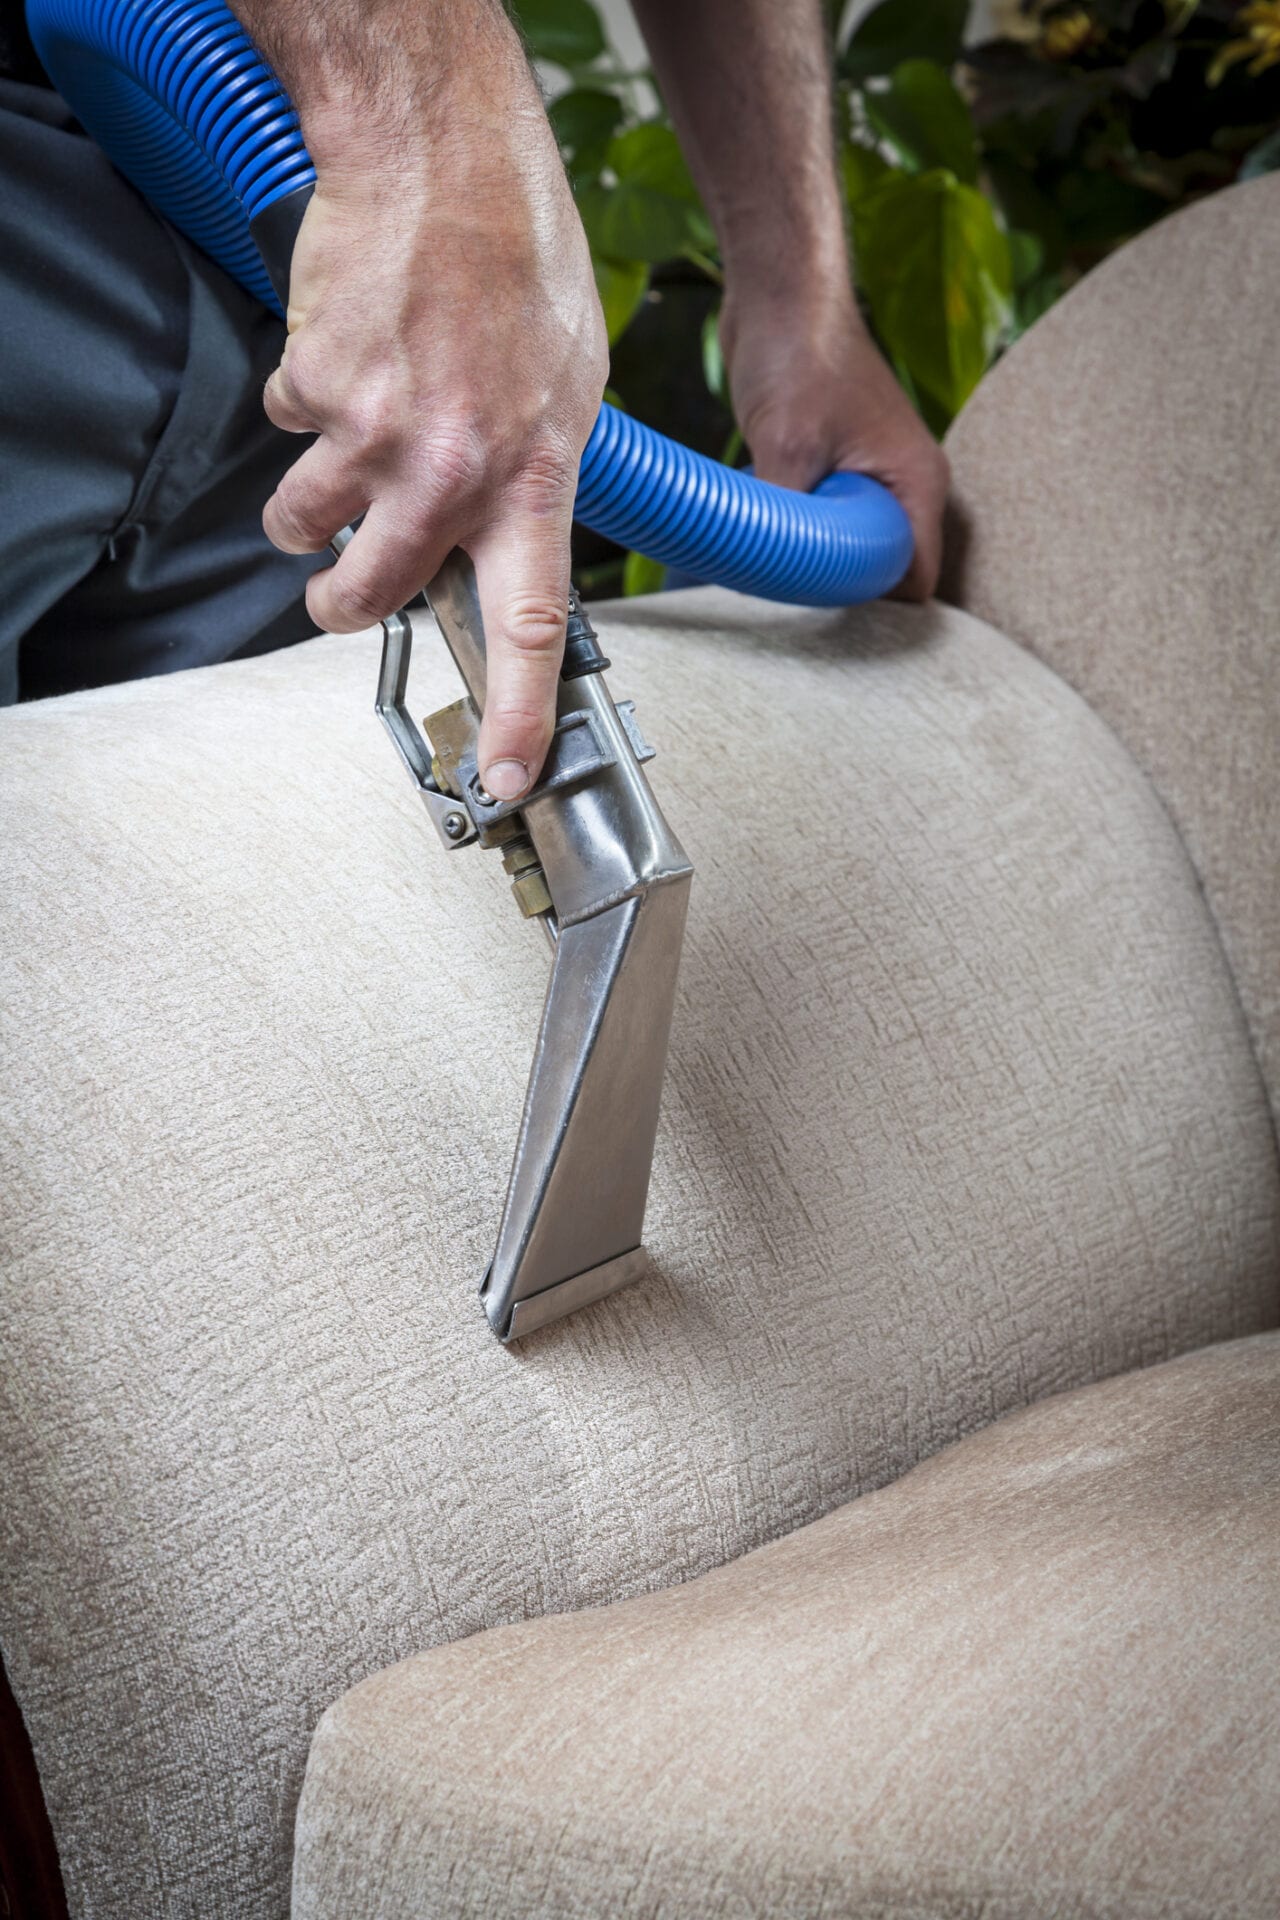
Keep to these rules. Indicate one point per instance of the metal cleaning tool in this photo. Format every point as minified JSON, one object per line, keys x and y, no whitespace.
{"x":591,"y":857}
{"x":181,"y":100}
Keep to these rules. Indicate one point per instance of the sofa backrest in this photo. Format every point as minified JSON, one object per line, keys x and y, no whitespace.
{"x":1117,"y":509}
{"x":961,"y":1111}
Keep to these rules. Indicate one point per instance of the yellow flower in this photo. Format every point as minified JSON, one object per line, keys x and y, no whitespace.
{"x":1067,"y":34}
{"x":1261,"y":46}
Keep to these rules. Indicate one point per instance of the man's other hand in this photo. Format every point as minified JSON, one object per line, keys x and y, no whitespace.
{"x":810,"y":390}
{"x":814,"y":395}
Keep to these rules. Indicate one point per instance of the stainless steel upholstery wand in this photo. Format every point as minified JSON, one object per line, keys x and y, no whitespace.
{"x":590,"y":856}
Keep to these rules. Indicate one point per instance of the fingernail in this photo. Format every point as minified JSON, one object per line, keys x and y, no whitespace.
{"x":506,"y":779}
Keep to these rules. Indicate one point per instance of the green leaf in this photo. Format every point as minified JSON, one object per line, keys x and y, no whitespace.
{"x":1264,"y":158}
{"x":1024,"y":205}
{"x":712,"y":356}
{"x":584,"y":121}
{"x":632,"y":223}
{"x":1098,"y":210}
{"x":641,"y":575}
{"x":934,"y":264}
{"x":1032,"y":301}
{"x":649,"y":156}
{"x":566,"y":32}
{"x":1026,"y":256}
{"x":899,"y":30}
{"x":925,"y":121}
{"x":652,"y":213}
{"x":862,"y":170}
{"x":622,"y":285}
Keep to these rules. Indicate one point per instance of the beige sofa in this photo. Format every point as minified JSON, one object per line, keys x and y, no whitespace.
{"x":907,"y":1542}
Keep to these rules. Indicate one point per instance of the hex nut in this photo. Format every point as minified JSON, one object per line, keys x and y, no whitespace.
{"x":518,"y":856}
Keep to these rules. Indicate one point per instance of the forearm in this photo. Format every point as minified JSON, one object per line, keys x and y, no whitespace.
{"x":748,"y":85}
{"x":387,"y":77}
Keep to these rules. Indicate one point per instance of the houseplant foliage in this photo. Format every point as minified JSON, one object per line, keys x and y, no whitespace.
{"x":980,"y":180}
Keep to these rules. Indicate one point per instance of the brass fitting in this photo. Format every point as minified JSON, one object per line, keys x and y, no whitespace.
{"x":452,"y":733}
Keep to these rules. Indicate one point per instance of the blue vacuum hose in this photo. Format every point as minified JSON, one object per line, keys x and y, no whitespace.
{"x":177,"y":95}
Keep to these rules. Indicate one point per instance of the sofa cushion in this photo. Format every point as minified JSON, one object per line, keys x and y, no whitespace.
{"x":1036,"y":1677}
{"x":1116,"y":501}
{"x":961,"y":1111}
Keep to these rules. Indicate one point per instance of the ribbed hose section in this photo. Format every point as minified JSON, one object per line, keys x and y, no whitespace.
{"x":176,"y":94}
{"x":848,"y":540}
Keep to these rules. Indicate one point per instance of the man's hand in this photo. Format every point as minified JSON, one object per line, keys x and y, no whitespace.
{"x":810,"y":390}
{"x":445,"y":337}
{"x":813,"y":395}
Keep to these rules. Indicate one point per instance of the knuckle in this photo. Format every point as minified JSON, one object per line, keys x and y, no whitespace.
{"x":454,"y":459}
{"x":534,"y":624}
{"x":280,"y":404}
{"x":293,"y":520}
{"x":783,"y":448}
{"x":786,"y":446}
{"x":371,"y":418}
{"x":354,"y":598}
{"x":518,"y":726}
{"x":299,"y":376}
{"x":364,"y":414}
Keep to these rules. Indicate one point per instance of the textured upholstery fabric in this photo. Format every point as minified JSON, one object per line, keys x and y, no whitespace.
{"x":1036,"y":1677}
{"x":961,"y":1112}
{"x":1117,"y":496}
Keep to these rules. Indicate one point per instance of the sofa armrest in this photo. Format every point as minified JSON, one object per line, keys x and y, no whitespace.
{"x":1115,"y":509}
